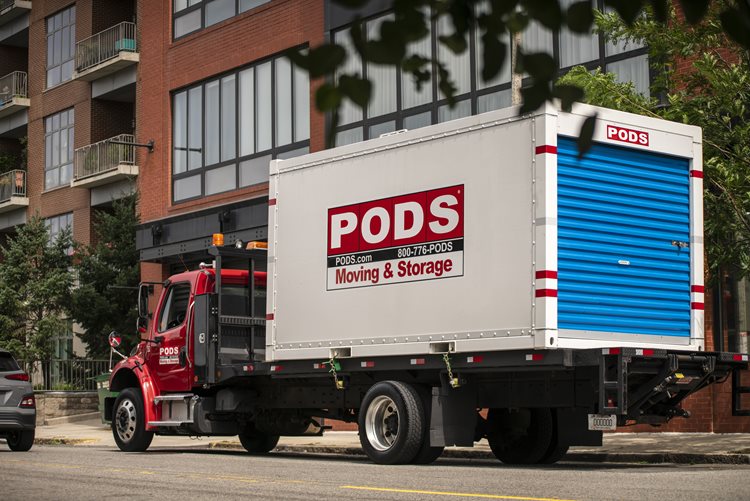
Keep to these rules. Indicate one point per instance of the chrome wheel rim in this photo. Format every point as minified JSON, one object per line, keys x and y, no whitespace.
{"x":125,"y":420}
{"x":381,"y":423}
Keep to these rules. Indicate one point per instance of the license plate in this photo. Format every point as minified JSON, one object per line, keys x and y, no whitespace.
{"x":601,"y":422}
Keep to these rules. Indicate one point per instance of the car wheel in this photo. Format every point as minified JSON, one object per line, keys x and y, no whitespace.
{"x":129,"y":422}
{"x":21,"y":441}
{"x":391,"y":423}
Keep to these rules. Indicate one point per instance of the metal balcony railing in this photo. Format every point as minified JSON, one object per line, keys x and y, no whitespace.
{"x":12,"y":184}
{"x":105,"y":45}
{"x":104,"y":156}
{"x":12,"y":85}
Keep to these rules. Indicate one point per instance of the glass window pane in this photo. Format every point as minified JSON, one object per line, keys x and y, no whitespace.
{"x":65,"y":172}
{"x":263,"y":73}
{"x":283,"y":110}
{"x":212,"y":122}
{"x":70,"y":142}
{"x":349,"y":112}
{"x":349,"y":136}
{"x":50,"y":178}
{"x":189,"y":187}
{"x":56,"y":121}
{"x":57,"y":49}
{"x":301,"y":105}
{"x":459,"y":65}
{"x":66,"y":43}
{"x":187,"y":23}
{"x":634,"y":70}
{"x":221,"y":179}
{"x":179,"y":5}
{"x":536,"y":38}
{"x":179,"y":132}
{"x":251,"y":4}
{"x":254,"y":171}
{"x":417,"y":121}
{"x":374,"y":131}
{"x":383,"y":78}
{"x":504,"y":75}
{"x":56,"y":148}
{"x":48,"y":152}
{"x":494,"y":101}
{"x":293,"y":153}
{"x":576,"y":48}
{"x":228,"y":123}
{"x":612,"y":48}
{"x":462,"y":109}
{"x":66,"y":71}
{"x":410,"y":96}
{"x":219,"y":10}
{"x":247,"y":113}
{"x":195,"y":128}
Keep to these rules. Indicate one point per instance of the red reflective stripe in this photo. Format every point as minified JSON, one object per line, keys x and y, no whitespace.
{"x":696,"y":306}
{"x":271,"y":201}
{"x":269,"y":316}
{"x":648,"y":353}
{"x":546,"y":293}
{"x":696,"y":173}
{"x":697,"y":288}
{"x":546,"y":148}
{"x":546,"y":274}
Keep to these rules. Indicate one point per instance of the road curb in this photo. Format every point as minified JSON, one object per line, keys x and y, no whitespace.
{"x":584,"y":457}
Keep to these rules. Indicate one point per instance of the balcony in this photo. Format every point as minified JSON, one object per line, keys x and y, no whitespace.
{"x":105,"y":162}
{"x":11,"y":9}
{"x":106,"y":52}
{"x":14,"y":93}
{"x":13,"y":191}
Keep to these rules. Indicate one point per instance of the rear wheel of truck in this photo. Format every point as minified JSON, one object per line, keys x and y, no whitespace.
{"x":257,"y":442}
{"x":129,"y":422}
{"x":391,"y":423}
{"x":523,"y":436}
{"x":20,"y":441}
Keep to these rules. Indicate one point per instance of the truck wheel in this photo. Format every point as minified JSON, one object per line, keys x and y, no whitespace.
{"x":256,"y":442}
{"x":21,"y":441}
{"x":391,"y":423}
{"x":557,"y":449}
{"x":427,"y":454}
{"x":129,"y":422}
{"x":522,"y":437}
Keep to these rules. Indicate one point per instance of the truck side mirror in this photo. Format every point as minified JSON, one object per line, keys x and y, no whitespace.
{"x":143,"y":292}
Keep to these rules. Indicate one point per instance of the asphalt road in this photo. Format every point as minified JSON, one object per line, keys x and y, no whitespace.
{"x":60,"y":472}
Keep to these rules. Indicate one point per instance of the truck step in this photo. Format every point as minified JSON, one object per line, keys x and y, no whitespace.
{"x":173,"y":396}
{"x":168,"y":423}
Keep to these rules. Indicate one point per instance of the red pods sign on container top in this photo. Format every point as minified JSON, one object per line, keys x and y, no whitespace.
{"x":405,"y":238}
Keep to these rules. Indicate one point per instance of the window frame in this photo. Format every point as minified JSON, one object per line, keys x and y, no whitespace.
{"x":201,"y":6}
{"x":51,"y":134}
{"x":166,"y":306}
{"x":275,"y":151}
{"x":71,"y":26}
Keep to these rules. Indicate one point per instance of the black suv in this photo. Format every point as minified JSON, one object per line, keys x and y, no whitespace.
{"x":17,"y":405}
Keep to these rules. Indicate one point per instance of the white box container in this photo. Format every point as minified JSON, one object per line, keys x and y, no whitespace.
{"x":500,"y":198}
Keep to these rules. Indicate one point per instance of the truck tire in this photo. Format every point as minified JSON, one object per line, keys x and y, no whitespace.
{"x":427,"y":454}
{"x":257,"y":442}
{"x":129,"y":422}
{"x":523,"y":438}
{"x":20,"y":441}
{"x":557,"y":449}
{"x":391,"y":423}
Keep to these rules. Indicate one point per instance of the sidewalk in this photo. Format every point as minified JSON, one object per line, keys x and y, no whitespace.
{"x":685,"y":448}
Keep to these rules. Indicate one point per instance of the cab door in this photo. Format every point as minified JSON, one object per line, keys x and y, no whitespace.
{"x":168,"y":357}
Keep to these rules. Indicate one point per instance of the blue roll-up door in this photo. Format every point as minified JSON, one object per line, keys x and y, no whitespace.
{"x":623,"y":226}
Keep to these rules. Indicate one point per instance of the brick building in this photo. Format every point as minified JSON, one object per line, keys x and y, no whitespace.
{"x":206,"y":84}
{"x":67,"y":89}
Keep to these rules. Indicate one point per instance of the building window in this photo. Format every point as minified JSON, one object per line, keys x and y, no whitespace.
{"x":189,"y":16}
{"x":61,"y":41}
{"x":58,"y":224}
{"x":396,"y":103}
{"x":227,"y":129}
{"x":58,"y":149}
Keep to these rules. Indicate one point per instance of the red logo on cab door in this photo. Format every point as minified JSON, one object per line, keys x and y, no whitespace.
{"x":426,"y":216}
{"x":627,"y":135}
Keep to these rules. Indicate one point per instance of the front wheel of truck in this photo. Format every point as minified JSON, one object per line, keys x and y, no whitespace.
{"x":129,"y":422}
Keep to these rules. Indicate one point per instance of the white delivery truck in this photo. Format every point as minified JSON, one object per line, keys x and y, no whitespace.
{"x":416,"y":278}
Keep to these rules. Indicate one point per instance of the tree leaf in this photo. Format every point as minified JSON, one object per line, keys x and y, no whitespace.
{"x":355,"y":88}
{"x":580,"y":17}
{"x":319,"y":61}
{"x":534,"y":96}
{"x":540,"y":65}
{"x":493,"y":56}
{"x":546,"y":12}
{"x":661,"y":10}
{"x":694,"y":10}
{"x":568,"y":94}
{"x":627,"y":9}
{"x":455,"y":42}
{"x":586,"y":135}
{"x":736,"y":24}
{"x":327,"y":97}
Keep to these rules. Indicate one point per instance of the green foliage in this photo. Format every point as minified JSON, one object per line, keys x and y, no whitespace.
{"x":108,"y":276}
{"x":494,"y":20}
{"x":712,"y":93}
{"x":35,"y":284}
